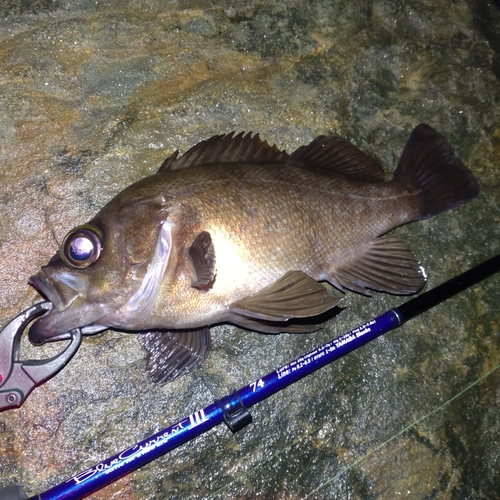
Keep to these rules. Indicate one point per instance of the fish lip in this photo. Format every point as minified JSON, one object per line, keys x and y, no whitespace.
{"x":54,"y":326}
{"x":44,"y":286}
{"x":37,"y":338}
{"x":37,"y":335}
{"x":46,"y":291}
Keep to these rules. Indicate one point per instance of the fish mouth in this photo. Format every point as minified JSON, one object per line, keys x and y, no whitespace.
{"x":46,"y":291}
{"x":57,"y":323}
{"x":37,"y":330}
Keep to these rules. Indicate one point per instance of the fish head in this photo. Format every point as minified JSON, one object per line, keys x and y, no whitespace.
{"x":107,"y":273}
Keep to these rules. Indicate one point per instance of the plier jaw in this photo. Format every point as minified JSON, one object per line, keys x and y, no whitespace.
{"x":18,"y":378}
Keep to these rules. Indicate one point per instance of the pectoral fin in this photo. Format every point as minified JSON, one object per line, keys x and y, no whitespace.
{"x":202,"y":254}
{"x":173,"y":354}
{"x":295,"y":295}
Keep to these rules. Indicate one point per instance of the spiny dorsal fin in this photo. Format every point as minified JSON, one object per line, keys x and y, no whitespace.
{"x":339,"y":156}
{"x":387,"y":264}
{"x":226,"y":149}
{"x":202,"y":254}
{"x":173,"y":354}
{"x":294,"y":295}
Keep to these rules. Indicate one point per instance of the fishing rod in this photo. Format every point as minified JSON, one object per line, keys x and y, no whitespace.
{"x":233,"y":409}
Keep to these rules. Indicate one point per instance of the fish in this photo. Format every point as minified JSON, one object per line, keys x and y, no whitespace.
{"x":237,"y":231}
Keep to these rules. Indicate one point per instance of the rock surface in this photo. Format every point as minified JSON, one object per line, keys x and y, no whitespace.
{"x":94,"y":95}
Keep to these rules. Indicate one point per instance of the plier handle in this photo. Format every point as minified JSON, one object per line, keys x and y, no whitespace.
{"x":18,"y":378}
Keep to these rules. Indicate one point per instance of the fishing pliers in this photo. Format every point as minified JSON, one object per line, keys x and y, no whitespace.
{"x":18,"y":378}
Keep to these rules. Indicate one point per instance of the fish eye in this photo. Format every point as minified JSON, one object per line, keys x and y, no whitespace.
{"x":81,"y":246}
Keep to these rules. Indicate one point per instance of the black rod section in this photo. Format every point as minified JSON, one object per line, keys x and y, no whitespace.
{"x":440,"y":293}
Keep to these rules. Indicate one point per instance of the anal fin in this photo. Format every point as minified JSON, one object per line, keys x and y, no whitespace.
{"x":387,"y":264}
{"x":173,"y":354}
{"x":294,"y":295}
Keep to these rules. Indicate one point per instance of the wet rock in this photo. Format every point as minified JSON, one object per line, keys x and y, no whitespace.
{"x":95,"y":95}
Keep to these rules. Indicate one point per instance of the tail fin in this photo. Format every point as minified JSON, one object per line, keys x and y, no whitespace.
{"x":429,"y":165}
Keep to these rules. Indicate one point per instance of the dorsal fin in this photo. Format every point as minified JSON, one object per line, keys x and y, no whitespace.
{"x":226,"y":149}
{"x":340,"y":156}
